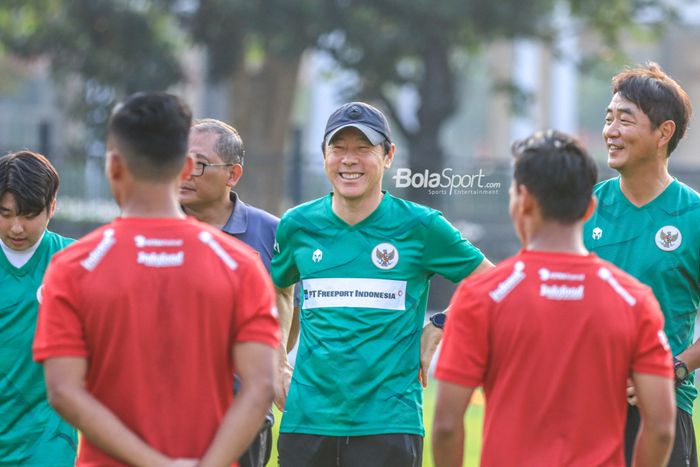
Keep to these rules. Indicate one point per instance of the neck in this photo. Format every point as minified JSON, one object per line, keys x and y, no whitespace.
{"x":556,"y":237}
{"x":643,"y":184}
{"x":215,"y":214}
{"x":354,"y":211}
{"x":148,"y":199}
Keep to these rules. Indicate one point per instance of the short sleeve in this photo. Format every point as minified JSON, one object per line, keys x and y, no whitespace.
{"x":652,"y":354}
{"x":465,"y":346}
{"x":255,"y":317}
{"x":60,"y":331}
{"x":447,"y":253}
{"x":283,"y":268}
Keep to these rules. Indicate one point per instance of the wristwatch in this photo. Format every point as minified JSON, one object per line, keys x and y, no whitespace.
{"x":439,"y":319}
{"x":680,"y":371}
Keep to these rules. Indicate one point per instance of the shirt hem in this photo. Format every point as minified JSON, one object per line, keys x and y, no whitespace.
{"x":308,"y":430}
{"x":44,"y":354}
{"x":449,"y":376}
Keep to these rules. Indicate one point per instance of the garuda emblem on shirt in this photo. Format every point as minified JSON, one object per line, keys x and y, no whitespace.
{"x":385,"y":256}
{"x":668,"y":238}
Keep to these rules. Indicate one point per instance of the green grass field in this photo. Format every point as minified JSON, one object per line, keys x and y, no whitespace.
{"x":473,"y":423}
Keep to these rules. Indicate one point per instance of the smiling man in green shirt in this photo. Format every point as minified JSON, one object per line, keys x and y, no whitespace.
{"x":365,"y":259}
{"x":647,"y":222}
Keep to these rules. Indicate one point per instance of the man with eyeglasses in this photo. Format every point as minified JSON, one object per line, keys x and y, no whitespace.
{"x":208,"y":195}
{"x":552,"y":334}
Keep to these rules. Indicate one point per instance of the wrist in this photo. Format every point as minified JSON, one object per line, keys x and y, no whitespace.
{"x":680,"y":371}
{"x":439,"y":320}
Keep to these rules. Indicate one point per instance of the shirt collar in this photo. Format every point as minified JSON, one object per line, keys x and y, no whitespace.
{"x":20,"y":258}
{"x":618,"y":203}
{"x":238,"y":221}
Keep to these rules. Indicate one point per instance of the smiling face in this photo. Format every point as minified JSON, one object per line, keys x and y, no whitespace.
{"x":629,"y":135}
{"x":21,"y":232}
{"x":354,"y":166}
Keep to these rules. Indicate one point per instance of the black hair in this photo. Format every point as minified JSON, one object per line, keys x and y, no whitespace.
{"x":657,"y":95}
{"x":558,"y":171}
{"x":386,"y":145}
{"x":31,"y":179}
{"x":151,"y":131}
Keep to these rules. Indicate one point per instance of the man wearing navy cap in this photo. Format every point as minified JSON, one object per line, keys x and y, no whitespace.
{"x":365,"y":259}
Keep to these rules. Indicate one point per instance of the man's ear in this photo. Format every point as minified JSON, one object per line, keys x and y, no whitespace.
{"x":234,"y":175}
{"x":592,"y":204}
{"x":187,"y":168}
{"x":389,"y":156}
{"x":528,"y":203}
{"x":667,"y":130}
{"x":115,"y":165}
{"x":52,"y":208}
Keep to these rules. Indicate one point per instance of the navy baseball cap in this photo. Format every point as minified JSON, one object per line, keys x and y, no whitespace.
{"x":369,"y":120}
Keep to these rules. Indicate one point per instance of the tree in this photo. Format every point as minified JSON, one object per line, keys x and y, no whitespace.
{"x":100,"y":50}
{"x":255,"y":47}
{"x":394,"y":43}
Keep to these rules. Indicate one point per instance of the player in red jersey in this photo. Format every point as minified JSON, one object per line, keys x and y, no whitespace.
{"x":552,"y":335}
{"x":143,"y":321}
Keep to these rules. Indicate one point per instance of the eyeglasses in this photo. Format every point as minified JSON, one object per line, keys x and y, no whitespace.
{"x":199,"y":167}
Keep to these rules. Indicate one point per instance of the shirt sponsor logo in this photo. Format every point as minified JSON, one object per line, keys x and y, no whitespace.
{"x":354,"y":293}
{"x":142,"y":242}
{"x":317,"y":256}
{"x":96,"y":255}
{"x":597,"y":233}
{"x":385,"y":256}
{"x":208,"y":239}
{"x":561,"y":292}
{"x":668,"y":238}
{"x":505,"y":287}
{"x":161,"y":260}
{"x":546,"y":274}
{"x":607,"y":276}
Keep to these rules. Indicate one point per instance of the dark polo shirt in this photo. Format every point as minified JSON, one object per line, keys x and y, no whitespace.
{"x":254,"y":227}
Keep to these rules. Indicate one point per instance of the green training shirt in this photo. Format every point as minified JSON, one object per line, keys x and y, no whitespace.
{"x":659,"y":244}
{"x":364,"y":295}
{"x":31,"y":432}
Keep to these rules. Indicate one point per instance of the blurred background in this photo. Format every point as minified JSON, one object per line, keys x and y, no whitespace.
{"x":459,"y":80}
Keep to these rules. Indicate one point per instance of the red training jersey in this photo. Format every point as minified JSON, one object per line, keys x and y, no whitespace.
{"x":552,"y":338}
{"x":156,"y":306}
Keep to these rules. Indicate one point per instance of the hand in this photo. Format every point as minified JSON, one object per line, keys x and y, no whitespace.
{"x":631,"y":395}
{"x":284,"y":378}
{"x":429,"y":340}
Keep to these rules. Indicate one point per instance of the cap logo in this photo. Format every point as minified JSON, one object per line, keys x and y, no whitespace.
{"x":354,"y":113}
